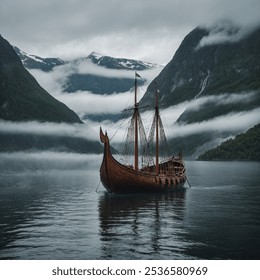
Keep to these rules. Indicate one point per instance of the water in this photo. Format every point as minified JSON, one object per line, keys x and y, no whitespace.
{"x":50,"y":209}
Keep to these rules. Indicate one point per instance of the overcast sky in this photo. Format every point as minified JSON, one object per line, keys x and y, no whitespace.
{"x":140,"y":29}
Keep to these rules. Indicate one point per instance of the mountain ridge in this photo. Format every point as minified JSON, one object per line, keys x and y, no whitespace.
{"x":22,"y":98}
{"x":83,"y":77}
{"x":221,"y":67}
{"x":213,"y":74}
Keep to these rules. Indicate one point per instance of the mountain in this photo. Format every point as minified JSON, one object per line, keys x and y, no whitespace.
{"x":77,"y":81}
{"x":120,"y":63}
{"x":201,"y":67}
{"x":24,"y":101}
{"x":95,"y":73}
{"x":22,"y":98}
{"x":111,"y":75}
{"x":245,"y":146}
{"x":35,"y":62}
{"x":213,"y":77}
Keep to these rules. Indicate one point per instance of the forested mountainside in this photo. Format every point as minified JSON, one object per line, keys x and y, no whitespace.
{"x":245,"y":146}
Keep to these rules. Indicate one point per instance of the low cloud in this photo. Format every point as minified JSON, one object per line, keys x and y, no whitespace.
{"x":85,"y":102}
{"x":47,"y":160}
{"x":46,"y":128}
{"x":53,"y":81}
{"x":233,"y":122}
{"x":226,"y":32}
{"x":87,"y":67}
{"x":222,"y":99}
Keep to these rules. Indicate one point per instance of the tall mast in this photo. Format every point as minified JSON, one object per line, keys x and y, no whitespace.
{"x":136,"y":127}
{"x":156,"y":132}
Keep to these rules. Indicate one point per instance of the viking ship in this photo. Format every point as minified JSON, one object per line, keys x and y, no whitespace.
{"x":163,"y":175}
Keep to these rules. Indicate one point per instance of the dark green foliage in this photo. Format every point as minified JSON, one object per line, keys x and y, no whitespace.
{"x":245,"y":146}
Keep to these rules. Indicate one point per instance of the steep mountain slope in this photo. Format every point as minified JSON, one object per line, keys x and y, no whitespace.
{"x":214,"y":78}
{"x":245,"y":146}
{"x":39,"y":119}
{"x":201,"y":67}
{"x":22,"y":98}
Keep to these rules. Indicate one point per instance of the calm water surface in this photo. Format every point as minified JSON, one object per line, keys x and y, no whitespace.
{"x":52,"y":211}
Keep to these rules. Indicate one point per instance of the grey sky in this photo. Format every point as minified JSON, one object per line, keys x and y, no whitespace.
{"x":140,"y":29}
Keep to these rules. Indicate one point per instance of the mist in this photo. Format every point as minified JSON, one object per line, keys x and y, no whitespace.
{"x":47,"y":161}
{"x":47,"y":128}
{"x":86,"y":102}
{"x":226,"y":32}
{"x":221,"y":99}
{"x":235,"y":122}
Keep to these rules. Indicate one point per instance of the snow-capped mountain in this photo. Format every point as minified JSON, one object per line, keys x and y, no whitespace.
{"x":95,"y":73}
{"x":120,"y":63}
{"x":35,"y":62}
{"x":83,"y":82}
{"x":101,"y":74}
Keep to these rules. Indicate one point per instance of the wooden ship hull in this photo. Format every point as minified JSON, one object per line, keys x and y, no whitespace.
{"x":119,"y":178}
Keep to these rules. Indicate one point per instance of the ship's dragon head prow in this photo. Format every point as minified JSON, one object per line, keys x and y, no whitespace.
{"x":103,"y":137}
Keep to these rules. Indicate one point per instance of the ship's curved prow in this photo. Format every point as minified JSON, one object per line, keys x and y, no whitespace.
{"x":103,"y":137}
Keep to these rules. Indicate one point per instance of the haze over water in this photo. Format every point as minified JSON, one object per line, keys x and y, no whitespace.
{"x":50,"y":209}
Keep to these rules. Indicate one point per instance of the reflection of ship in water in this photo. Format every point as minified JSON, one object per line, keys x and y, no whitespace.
{"x":141,"y":226}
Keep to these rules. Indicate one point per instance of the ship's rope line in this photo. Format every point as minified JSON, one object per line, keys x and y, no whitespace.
{"x":114,"y":123}
{"x":163,"y":139}
{"x":127,"y":144}
{"x":98,"y":186}
{"x":163,"y":143}
{"x":167,"y":132}
{"x":124,"y":110}
{"x":147,"y":160}
{"x":120,"y":125}
{"x":188,"y":181}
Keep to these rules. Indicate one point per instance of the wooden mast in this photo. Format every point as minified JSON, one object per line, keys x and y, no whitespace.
{"x":136,"y":127}
{"x":156,"y":132}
